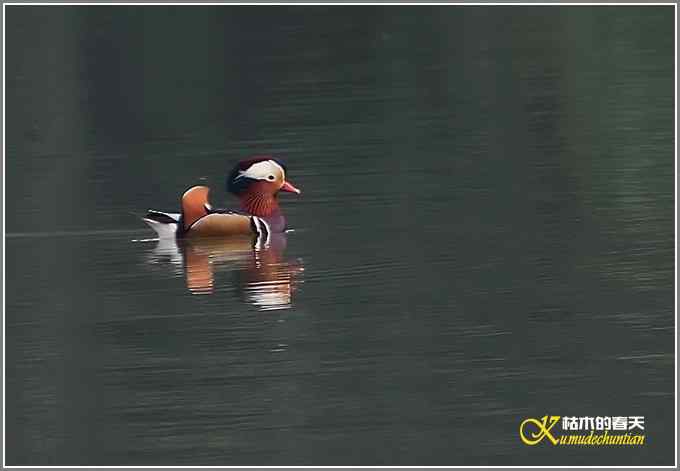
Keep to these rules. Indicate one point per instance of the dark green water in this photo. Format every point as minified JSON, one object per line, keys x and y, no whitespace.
{"x":485,"y":234}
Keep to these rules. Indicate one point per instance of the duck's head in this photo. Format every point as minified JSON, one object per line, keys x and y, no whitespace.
{"x":257,"y":181}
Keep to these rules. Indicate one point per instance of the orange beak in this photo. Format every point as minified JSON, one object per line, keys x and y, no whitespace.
{"x":289,"y":188}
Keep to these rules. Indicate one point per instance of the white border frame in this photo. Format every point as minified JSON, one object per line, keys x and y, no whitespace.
{"x":675,"y":222}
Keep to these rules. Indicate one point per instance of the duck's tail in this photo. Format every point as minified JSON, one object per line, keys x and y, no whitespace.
{"x":164,"y":224}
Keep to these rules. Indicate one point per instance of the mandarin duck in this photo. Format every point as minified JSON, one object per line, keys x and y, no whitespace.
{"x":255,"y":181}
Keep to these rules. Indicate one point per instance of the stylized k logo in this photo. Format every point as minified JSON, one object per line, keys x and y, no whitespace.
{"x":543,"y":429}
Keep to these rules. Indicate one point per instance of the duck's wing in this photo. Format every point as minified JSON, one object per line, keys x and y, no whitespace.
{"x":162,"y":217}
{"x":164,"y":224}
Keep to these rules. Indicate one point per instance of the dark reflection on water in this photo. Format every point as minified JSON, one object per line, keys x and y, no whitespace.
{"x":261,"y":273}
{"x":486,"y":233}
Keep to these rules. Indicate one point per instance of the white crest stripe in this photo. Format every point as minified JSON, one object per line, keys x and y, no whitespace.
{"x":261,"y":170}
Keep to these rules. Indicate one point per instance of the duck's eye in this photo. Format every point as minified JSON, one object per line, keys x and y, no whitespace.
{"x":270,"y":177}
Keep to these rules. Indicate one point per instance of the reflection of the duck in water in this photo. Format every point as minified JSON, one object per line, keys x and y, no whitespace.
{"x":263,"y":276}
